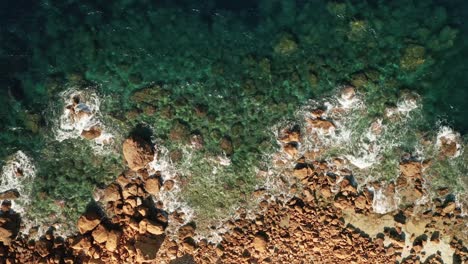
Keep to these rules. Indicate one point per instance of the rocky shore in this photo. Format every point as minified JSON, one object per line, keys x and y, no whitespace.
{"x":329,"y":219}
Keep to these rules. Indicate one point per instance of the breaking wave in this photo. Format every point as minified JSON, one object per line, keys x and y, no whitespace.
{"x":18,"y":174}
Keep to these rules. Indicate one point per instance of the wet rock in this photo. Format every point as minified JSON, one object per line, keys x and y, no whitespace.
{"x":137,"y":153}
{"x":168,"y":185}
{"x":321,"y":124}
{"x":186,"y":231}
{"x":449,"y":146}
{"x":348,"y":92}
{"x":291,"y":149}
{"x":91,"y":133}
{"x":6,"y":206}
{"x":10,"y":194}
{"x":291,"y":135}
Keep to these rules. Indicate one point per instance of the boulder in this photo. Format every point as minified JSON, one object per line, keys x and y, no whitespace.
{"x":9,"y":194}
{"x":137,"y":152}
{"x":5,"y":236}
{"x":449,"y":207}
{"x":113,"y":238}
{"x":411,"y":169}
{"x":81,"y":243}
{"x":43,"y":247}
{"x":321,"y":124}
{"x":147,"y":248}
{"x":151,"y":227}
{"x":92,"y":132}
{"x":112,"y":193}
{"x":152,"y":185}
{"x":100,"y":234}
{"x":88,"y":222}
{"x":260,"y":243}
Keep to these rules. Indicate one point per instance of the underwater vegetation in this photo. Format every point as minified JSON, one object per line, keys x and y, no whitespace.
{"x":217,"y":76}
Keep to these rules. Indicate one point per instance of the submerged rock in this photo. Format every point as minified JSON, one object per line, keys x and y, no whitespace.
{"x":91,"y":133}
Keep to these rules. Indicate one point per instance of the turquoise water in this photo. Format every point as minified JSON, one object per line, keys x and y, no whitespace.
{"x":224,"y":71}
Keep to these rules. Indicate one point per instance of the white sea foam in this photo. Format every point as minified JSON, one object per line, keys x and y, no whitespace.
{"x":18,"y":173}
{"x":407,"y":104}
{"x":449,"y":136}
{"x":171,"y":199}
{"x":382,"y":203}
{"x":81,"y":116}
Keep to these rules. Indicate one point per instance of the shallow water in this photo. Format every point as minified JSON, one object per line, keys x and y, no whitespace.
{"x":221,"y":71}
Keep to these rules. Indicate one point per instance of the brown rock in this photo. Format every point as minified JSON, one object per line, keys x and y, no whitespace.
{"x":449,"y":207}
{"x":186,"y":231}
{"x":152,"y":185}
{"x":259,"y":243}
{"x":81,"y":243}
{"x":151,"y":227}
{"x":303,"y":170}
{"x":88,"y":222}
{"x":100,"y":234}
{"x":449,"y":147}
{"x":168,"y":185}
{"x":291,"y":135}
{"x":411,"y":169}
{"x":113,"y":238}
{"x":348,"y":92}
{"x":291,"y":149}
{"x":147,"y":248}
{"x":92,"y":133}
{"x":5,"y":235}
{"x":9,"y":194}
{"x":112,"y":193}
{"x":43,"y":247}
{"x":137,"y":153}
{"x":360,"y":202}
{"x":321,"y":124}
